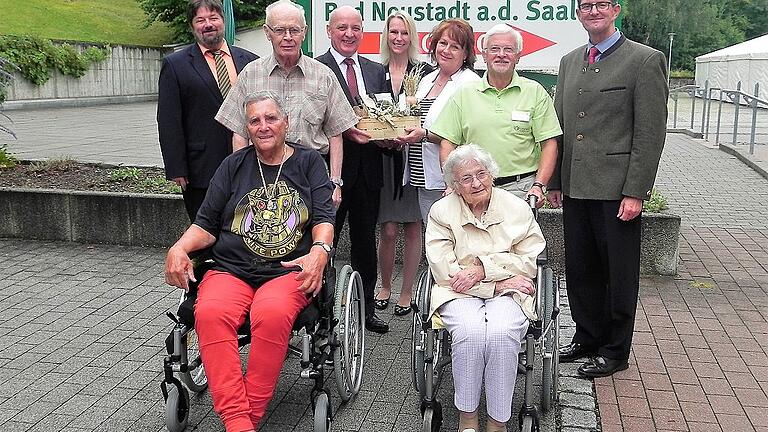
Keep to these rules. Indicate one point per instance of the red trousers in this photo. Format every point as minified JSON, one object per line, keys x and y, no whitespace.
{"x":223,"y":301}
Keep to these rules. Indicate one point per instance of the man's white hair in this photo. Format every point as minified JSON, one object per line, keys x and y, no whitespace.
{"x":504,"y":29}
{"x":270,"y":10}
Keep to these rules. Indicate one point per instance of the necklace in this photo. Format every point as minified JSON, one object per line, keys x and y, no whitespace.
{"x":269,"y":212}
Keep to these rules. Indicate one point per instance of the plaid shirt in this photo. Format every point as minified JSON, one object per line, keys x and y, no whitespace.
{"x":316,"y":104}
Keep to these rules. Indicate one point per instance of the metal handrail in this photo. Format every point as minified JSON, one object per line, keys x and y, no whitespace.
{"x":737,"y":97}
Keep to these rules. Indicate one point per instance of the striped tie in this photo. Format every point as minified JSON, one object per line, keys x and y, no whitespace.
{"x":222,"y":75}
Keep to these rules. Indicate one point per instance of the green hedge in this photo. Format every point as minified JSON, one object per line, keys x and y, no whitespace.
{"x":36,"y":57}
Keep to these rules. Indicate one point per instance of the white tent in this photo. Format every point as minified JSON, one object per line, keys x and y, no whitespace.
{"x":746,"y":62}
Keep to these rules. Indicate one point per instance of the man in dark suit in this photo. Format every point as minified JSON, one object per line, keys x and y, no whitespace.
{"x":612,"y":103}
{"x":192,"y":86}
{"x":361,"y":171}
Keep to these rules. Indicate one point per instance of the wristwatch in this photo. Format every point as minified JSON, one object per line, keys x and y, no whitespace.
{"x":337,"y":181}
{"x":541,"y":186}
{"x":326,"y":247}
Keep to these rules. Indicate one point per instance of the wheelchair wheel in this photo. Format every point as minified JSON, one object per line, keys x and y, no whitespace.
{"x":432,"y":419}
{"x":321,"y":417}
{"x":528,"y":424}
{"x":549,"y":370}
{"x":194,"y":378}
{"x":418,"y":336}
{"x":417,"y":355}
{"x":176,"y":408}
{"x":349,"y":309}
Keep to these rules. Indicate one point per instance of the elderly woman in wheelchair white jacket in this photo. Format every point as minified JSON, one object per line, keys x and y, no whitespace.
{"x":268,"y":219}
{"x":481,"y":244}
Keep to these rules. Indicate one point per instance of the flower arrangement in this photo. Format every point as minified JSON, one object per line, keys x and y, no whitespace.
{"x":382,"y":118}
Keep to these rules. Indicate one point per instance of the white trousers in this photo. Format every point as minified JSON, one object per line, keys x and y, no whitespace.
{"x":487,"y":336}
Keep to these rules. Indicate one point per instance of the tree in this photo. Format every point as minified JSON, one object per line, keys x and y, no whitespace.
{"x":703,"y":27}
{"x":174,"y":12}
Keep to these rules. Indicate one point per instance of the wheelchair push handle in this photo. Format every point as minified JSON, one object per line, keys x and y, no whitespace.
{"x":532,"y":200}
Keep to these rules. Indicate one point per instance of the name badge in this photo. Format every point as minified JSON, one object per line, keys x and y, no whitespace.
{"x":522,"y":116}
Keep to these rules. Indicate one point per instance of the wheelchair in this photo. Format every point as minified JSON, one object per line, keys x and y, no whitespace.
{"x":431,"y":349}
{"x":330,"y":330}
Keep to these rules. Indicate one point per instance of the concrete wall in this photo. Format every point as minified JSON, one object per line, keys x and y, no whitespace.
{"x":127,"y":72}
{"x":92,"y":217}
{"x":159,"y":220}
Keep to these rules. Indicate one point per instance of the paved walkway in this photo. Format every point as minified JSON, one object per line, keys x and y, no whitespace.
{"x":112,"y":134}
{"x":699,"y":358}
{"x":81,"y":326}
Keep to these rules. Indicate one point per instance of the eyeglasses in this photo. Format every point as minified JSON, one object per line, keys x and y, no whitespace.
{"x":468,"y":179}
{"x":281,"y":31}
{"x":444,"y":44}
{"x":601,"y":6}
{"x":496,"y":50}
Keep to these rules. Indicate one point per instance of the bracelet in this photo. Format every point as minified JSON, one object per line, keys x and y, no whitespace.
{"x":539,"y":184}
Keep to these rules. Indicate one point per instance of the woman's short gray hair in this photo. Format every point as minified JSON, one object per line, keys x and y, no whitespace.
{"x":464,"y":154}
{"x":263,"y":95}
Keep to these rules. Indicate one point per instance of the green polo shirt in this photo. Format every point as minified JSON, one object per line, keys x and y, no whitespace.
{"x":510,"y":123}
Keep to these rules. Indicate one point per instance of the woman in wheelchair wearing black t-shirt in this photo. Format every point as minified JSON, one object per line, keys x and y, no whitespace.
{"x":268,"y":219}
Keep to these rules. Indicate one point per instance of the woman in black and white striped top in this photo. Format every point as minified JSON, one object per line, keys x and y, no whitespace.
{"x":452,"y":47}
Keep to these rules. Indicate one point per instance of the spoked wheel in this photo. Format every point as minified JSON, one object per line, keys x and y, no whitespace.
{"x":176,"y":408}
{"x":418,"y":337}
{"x":433,"y":418}
{"x":549,"y":355}
{"x":195,"y":378}
{"x":417,"y":354}
{"x":349,"y":309}
{"x":321,"y":417}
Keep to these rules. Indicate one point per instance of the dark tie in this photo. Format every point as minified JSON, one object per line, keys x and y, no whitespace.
{"x":351,"y":78}
{"x":593,"y":53}
{"x":222,"y":75}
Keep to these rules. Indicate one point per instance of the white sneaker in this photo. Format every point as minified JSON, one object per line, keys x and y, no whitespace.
{"x":469,"y":430}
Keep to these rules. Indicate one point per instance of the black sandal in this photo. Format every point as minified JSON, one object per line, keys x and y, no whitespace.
{"x":402,"y":310}
{"x":381,"y":304}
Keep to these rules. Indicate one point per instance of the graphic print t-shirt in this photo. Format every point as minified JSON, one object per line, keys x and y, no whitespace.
{"x":257,"y":227}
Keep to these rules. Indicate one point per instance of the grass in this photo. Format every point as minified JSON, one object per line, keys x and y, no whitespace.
{"x":7,"y":159}
{"x":55,"y":164}
{"x":124,"y":173}
{"x":105,"y":21}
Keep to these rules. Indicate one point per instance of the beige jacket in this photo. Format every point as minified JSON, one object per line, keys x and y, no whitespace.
{"x":506,"y":240}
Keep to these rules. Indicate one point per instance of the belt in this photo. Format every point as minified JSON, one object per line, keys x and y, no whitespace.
{"x":511,"y":179}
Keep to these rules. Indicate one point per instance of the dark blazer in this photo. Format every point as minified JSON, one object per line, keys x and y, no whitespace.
{"x":613,"y":114}
{"x":192,"y":142}
{"x":361,"y":160}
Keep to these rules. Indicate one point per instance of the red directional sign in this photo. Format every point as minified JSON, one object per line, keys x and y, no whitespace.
{"x":531,"y":42}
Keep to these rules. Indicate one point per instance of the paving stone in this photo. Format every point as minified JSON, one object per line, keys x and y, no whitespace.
{"x":578,"y":418}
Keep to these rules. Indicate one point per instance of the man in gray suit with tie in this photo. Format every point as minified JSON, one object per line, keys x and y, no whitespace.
{"x":612,"y":103}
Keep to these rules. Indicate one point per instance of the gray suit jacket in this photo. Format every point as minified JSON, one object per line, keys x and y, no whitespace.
{"x":613,"y":114}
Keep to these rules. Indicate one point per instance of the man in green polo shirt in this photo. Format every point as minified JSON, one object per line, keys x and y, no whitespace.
{"x":511,"y":117}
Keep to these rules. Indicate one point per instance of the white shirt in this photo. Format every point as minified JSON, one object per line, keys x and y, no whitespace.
{"x":358,"y":72}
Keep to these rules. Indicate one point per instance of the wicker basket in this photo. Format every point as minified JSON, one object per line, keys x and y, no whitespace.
{"x":379,"y":130}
